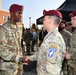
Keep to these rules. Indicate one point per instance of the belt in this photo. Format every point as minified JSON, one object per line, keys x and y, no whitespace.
{"x":6,"y":60}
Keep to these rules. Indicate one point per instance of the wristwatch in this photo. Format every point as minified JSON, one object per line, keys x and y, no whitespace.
{"x":20,"y":59}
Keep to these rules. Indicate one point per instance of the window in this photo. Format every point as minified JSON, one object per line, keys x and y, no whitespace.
{"x":4,"y":18}
{"x":8,"y":18}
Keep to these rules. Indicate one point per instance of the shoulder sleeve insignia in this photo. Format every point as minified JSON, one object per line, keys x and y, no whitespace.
{"x":53,"y":47}
{"x":51,"y":52}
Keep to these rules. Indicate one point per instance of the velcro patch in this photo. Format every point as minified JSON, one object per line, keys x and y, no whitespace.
{"x":51,"y":52}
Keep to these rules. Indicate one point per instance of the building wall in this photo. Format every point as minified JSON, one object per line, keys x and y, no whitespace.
{"x":4,"y":15}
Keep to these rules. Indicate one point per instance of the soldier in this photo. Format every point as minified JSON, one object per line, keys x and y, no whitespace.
{"x":10,"y":43}
{"x":28,"y":37}
{"x":65,"y":33}
{"x":72,"y":51}
{"x":52,"y":50}
{"x":66,"y":36}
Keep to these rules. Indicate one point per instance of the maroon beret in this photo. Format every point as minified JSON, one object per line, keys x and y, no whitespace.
{"x":15,"y":7}
{"x":72,"y":14}
{"x":52,"y":13}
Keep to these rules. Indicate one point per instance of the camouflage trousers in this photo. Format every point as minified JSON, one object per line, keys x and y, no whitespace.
{"x":69,"y":67}
{"x":3,"y":72}
{"x":72,"y":64}
{"x":11,"y":72}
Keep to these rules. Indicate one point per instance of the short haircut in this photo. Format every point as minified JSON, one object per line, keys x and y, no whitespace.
{"x":56,"y":19}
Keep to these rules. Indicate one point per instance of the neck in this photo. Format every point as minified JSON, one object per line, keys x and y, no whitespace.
{"x":13,"y":22}
{"x":52,"y":27}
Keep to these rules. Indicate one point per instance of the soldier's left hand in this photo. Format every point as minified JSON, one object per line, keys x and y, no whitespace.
{"x":68,"y":56}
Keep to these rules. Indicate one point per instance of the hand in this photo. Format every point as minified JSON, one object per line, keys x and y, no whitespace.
{"x":68,"y":56}
{"x":26,"y":60}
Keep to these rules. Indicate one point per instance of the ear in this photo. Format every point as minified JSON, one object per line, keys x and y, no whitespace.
{"x":50,"y":21}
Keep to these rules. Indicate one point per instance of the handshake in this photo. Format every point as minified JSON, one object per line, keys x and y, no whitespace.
{"x":25,"y":60}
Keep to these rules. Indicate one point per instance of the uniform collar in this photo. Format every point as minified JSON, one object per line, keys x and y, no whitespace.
{"x":9,"y":21}
{"x":52,"y":31}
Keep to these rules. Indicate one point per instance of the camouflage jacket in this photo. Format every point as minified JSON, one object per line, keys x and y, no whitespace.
{"x":67,"y":37}
{"x":73,"y":45}
{"x":10,"y":46}
{"x":51,"y":54}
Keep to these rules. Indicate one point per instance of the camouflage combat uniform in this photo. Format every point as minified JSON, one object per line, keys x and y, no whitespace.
{"x":51,"y":54}
{"x":67,"y":37}
{"x":72,"y":50}
{"x":10,"y":49}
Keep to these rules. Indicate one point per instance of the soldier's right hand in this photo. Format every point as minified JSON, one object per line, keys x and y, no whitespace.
{"x":26,"y":60}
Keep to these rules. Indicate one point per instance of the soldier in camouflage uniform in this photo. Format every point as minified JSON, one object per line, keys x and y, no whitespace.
{"x":52,"y":50}
{"x":65,"y":33}
{"x":67,"y":37}
{"x":10,"y":43}
{"x":72,"y":50}
{"x":28,"y":37}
